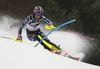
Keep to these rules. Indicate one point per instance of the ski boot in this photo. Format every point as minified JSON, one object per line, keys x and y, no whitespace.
{"x":52,"y":50}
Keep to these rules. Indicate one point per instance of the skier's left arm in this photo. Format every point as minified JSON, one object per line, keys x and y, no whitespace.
{"x":21,"y":27}
{"x":49,"y":24}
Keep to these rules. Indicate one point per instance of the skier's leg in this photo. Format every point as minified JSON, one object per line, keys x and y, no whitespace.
{"x":47,"y":43}
{"x":52,"y":47}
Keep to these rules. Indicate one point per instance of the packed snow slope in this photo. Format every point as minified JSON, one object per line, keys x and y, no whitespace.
{"x":14,"y":55}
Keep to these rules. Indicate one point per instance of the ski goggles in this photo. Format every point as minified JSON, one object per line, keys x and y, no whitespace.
{"x":38,"y":14}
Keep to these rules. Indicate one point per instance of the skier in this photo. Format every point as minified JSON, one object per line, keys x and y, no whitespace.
{"x":32,"y":23}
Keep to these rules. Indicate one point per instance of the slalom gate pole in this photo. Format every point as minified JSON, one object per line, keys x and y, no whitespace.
{"x":80,"y":35}
{"x":54,"y":30}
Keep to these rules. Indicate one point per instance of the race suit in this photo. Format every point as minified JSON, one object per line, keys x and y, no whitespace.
{"x":34,"y":33}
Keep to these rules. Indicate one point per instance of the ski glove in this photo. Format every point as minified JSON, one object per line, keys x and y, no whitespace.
{"x":49,"y":26}
{"x":19,"y":37}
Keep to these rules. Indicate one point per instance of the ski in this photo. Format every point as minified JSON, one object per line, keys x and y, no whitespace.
{"x":67,"y":55}
{"x":75,"y":58}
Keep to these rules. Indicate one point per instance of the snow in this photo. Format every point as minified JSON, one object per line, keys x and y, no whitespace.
{"x":15,"y":55}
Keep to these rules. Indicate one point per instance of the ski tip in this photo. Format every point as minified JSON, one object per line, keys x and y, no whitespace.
{"x":74,"y":19}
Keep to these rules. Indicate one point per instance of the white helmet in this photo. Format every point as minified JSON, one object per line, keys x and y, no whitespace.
{"x":38,"y":9}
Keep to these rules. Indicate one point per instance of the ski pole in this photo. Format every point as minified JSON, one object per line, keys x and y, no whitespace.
{"x":5,"y":37}
{"x":81,"y":35}
{"x":11,"y":38}
{"x":77,"y":34}
{"x":54,"y":30}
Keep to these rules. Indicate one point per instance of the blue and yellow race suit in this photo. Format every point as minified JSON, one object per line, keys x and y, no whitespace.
{"x":34,"y":33}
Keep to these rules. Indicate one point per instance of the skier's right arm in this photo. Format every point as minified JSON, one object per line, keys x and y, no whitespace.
{"x":21,"y":27}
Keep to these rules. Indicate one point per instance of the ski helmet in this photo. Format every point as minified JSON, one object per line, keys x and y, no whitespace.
{"x":38,"y":10}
